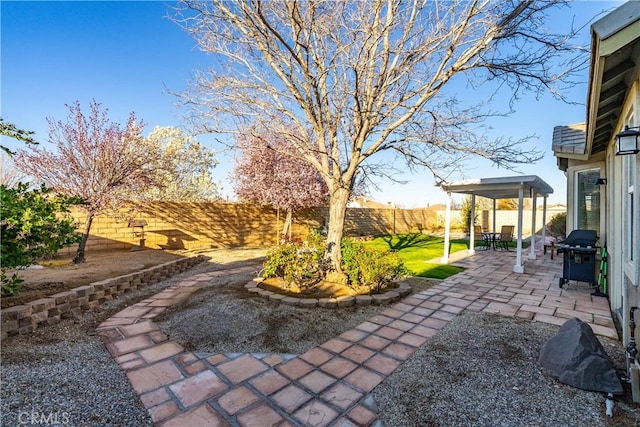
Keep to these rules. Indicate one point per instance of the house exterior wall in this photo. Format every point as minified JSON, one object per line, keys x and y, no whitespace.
{"x":629,"y":181}
{"x":613,"y":102}
{"x":623,"y":227}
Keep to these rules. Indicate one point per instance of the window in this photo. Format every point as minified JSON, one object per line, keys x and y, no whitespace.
{"x":588,"y":200}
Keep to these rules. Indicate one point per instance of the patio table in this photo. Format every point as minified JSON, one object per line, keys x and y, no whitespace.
{"x":491,"y":238}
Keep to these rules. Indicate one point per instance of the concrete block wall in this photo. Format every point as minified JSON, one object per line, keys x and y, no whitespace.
{"x":22,"y":319}
{"x":194,"y":226}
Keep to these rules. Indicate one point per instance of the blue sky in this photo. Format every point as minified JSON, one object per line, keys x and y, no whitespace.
{"x":128,"y":56}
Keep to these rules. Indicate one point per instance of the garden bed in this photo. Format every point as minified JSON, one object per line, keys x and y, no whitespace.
{"x":324,"y":294}
{"x":60,"y":274}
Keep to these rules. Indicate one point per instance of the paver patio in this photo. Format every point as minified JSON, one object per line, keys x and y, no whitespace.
{"x":329,"y":385}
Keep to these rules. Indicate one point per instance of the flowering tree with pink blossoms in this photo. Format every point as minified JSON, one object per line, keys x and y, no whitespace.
{"x":96,"y":160}
{"x":268,"y":173}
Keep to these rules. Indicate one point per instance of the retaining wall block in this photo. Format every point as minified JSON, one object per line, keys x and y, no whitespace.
{"x":63,"y":297}
{"x":42,"y":304}
{"x":83,"y":291}
{"x":26,"y":318}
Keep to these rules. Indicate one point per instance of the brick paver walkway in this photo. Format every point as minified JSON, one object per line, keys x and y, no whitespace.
{"x":328,"y":385}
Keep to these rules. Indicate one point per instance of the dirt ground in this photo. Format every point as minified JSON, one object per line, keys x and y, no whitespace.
{"x":60,"y":274}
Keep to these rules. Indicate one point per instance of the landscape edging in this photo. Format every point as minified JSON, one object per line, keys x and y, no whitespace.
{"x":25,"y":318}
{"x":390,"y":296}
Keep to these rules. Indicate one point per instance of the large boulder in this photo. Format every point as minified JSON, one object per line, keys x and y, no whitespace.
{"x":575,"y":357}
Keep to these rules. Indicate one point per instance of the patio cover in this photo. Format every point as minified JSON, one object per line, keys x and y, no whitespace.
{"x":500,"y":188}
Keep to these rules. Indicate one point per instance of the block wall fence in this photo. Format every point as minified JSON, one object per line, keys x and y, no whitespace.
{"x":199,"y":226}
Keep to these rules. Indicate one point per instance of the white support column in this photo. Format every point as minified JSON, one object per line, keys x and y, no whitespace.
{"x":534,"y":212}
{"x":495,"y":205}
{"x":447,"y":229}
{"x":519,"y":268}
{"x":544,"y":220}
{"x":472,"y":226}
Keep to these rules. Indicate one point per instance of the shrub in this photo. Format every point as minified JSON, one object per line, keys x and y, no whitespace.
{"x":557,"y":226}
{"x":35,"y":224}
{"x":373,"y":268}
{"x":302,"y":263}
{"x":297,"y":262}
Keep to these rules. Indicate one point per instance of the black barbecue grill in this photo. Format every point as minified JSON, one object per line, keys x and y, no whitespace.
{"x":579,"y":250}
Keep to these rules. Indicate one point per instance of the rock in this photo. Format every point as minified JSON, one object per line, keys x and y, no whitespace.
{"x":575,"y":357}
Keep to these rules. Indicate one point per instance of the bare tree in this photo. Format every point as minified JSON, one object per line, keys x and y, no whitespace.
{"x":346,"y":81}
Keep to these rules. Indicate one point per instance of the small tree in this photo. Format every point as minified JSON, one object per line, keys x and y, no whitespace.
{"x":97,"y":160}
{"x":481,"y":203}
{"x":35,"y":223}
{"x":268,"y":173}
{"x":557,"y":226}
{"x":184,"y":167}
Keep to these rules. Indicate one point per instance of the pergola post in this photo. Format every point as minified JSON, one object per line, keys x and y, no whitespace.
{"x":534,"y":208}
{"x":472,"y":225}
{"x":447,"y":230}
{"x":519,"y":268}
{"x":495,"y":204}
{"x":544,"y":220}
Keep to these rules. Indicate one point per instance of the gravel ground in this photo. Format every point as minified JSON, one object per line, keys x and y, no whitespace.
{"x":63,"y":375}
{"x":225,"y":318}
{"x":480,"y":370}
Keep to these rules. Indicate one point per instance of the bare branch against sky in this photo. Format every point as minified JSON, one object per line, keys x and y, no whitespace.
{"x":346,"y":81}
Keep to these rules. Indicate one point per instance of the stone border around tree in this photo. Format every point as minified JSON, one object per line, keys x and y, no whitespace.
{"x":23,"y":319}
{"x":388,"y":297}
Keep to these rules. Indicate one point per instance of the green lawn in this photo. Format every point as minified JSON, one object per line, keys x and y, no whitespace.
{"x":416,"y":249}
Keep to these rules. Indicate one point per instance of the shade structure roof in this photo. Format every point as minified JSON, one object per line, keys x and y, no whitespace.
{"x":501,"y":188}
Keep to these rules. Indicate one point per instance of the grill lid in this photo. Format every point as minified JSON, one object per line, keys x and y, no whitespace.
{"x":581,"y":238}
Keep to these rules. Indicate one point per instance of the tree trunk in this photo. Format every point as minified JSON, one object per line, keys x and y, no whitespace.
{"x":79,"y":258}
{"x":337,"y":210}
{"x":287,"y":226}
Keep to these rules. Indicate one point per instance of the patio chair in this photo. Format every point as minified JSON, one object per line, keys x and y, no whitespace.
{"x":506,"y":236}
{"x":479,"y":236}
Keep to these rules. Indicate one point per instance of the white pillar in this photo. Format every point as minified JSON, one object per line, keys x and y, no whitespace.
{"x":519,"y":268}
{"x":544,"y":220}
{"x":447,"y":229}
{"x":495,"y":204}
{"x":472,"y":226}
{"x":534,"y":213}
